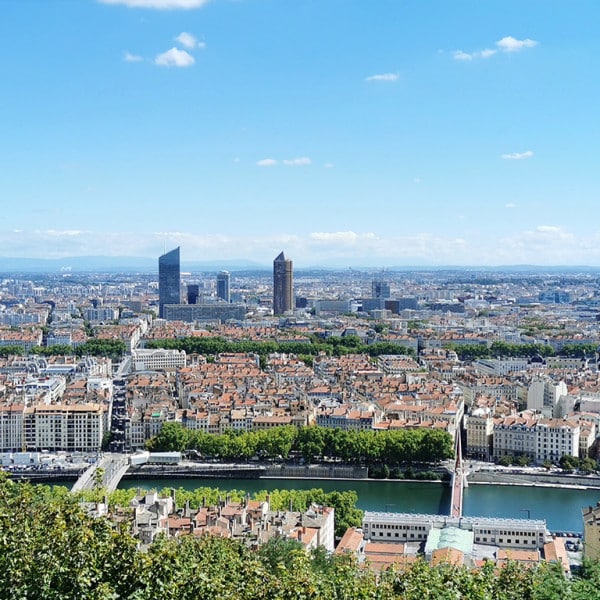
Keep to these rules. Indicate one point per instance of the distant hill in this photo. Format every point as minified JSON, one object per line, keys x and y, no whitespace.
{"x":138,"y":264}
{"x":115,"y":264}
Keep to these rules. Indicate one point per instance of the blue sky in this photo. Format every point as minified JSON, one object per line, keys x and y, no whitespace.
{"x":354,"y":132}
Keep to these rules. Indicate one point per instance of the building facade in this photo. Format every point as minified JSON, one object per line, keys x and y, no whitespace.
{"x":158,"y":359}
{"x":193,"y":291}
{"x":190,"y":313}
{"x":283,"y":284}
{"x":539,"y":439}
{"x":169,"y":277}
{"x":77,"y":427}
{"x":504,"y":533}
{"x":380,"y":289}
{"x":223,"y":291}
{"x":591,"y":532}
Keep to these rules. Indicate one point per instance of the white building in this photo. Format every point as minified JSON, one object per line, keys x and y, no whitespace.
{"x":11,"y":427}
{"x":100,"y":314}
{"x":539,"y":439}
{"x":501,"y":367}
{"x":556,"y":438}
{"x":505,"y":533}
{"x":158,"y":359}
{"x":543,"y":395}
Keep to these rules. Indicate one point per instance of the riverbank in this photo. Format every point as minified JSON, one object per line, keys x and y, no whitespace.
{"x":534,"y":479}
{"x":244,"y":471}
{"x":560,"y":507}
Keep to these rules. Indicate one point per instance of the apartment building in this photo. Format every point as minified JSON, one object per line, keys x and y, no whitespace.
{"x":77,"y":427}
{"x":24,"y":337}
{"x":479,"y":427}
{"x":515,"y":435}
{"x":539,"y":439}
{"x":591,"y":532}
{"x":11,"y":427}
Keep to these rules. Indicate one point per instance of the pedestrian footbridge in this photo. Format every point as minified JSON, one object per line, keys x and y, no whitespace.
{"x":457,"y":482}
{"x":105,"y":473}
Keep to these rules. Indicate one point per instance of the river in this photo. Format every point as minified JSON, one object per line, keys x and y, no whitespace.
{"x":561,"y":508}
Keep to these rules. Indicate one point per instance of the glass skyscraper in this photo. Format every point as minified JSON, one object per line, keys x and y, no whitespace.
{"x":283,"y":282}
{"x":223,"y":286}
{"x":169,"y":277}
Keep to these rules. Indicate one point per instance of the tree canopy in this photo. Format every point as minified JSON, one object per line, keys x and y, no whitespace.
{"x":335,"y":345}
{"x":50,"y":549}
{"x":366,"y":447}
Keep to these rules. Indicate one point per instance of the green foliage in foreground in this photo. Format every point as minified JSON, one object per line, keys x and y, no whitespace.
{"x":50,"y":549}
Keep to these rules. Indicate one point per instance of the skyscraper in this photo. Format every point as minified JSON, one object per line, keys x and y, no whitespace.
{"x":283,"y":281}
{"x":193,"y":291}
{"x":168,"y":280}
{"x":380,"y":289}
{"x":223,"y":286}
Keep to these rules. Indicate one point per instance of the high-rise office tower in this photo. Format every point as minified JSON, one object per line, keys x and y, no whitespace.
{"x":223,"y":286}
{"x":193,"y":291}
{"x":283,"y":283}
{"x":169,"y":278}
{"x":380,"y":289}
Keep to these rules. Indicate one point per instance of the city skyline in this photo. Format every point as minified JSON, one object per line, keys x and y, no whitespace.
{"x":347,"y":133}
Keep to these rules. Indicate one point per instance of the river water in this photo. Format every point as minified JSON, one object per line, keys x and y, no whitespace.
{"x":561,"y":508}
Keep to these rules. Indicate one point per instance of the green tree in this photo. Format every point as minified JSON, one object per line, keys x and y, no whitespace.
{"x":172,"y":437}
{"x":568,"y":463}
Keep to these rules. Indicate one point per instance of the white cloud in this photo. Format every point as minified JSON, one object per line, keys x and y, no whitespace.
{"x":383,"y":77}
{"x":174,"y":58}
{"x":517,"y":155}
{"x":510,"y":205}
{"x":546,"y":229}
{"x":466,"y":56}
{"x":301,"y":161}
{"x":511,"y":44}
{"x":128,"y":57}
{"x":266,"y":162}
{"x":159,"y":4}
{"x":66,"y":233}
{"x":187,"y":40}
{"x":486,"y":53}
{"x":460,"y":55}
{"x":344,"y":237}
{"x":298,"y":162}
{"x":545,"y":244}
{"x":506,"y":44}
{"x":328,"y":165}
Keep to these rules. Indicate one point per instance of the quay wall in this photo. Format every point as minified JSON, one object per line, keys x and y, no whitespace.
{"x":245,"y":472}
{"x":193,"y":471}
{"x":50,"y":477}
{"x":315,"y":472}
{"x":534,"y":479}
